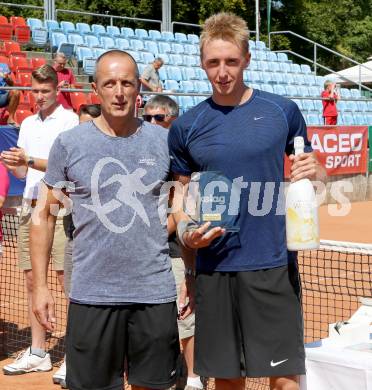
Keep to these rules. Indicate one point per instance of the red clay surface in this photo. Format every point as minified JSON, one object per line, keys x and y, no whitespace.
{"x":356,"y":226}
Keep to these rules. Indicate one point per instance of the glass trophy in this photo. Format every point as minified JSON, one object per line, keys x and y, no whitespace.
{"x":215,"y":201}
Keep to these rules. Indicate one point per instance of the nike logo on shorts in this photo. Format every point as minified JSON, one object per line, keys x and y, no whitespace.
{"x":274,"y":364}
{"x":256,"y":118}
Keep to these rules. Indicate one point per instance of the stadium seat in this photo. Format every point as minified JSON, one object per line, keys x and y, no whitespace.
{"x":164,"y":47}
{"x":295,"y":68}
{"x":127,"y":32}
{"x":193,"y":38}
{"x":345,"y":93}
{"x":108,"y":42}
{"x":348,"y":119}
{"x":189,"y":60}
{"x":355,"y":93}
{"x":23,"y":79}
{"x":267,"y":88}
{"x":4,"y":19}
{"x":284,"y":67}
{"x":83,"y":52}
{"x":254,"y":77}
{"x":36,"y":62}
{"x":57,"y":39}
{"x":135,"y":55}
{"x":68,"y":49}
{"x":312,"y":119}
{"x":22,"y":114}
{"x":186,"y":102}
{"x":52,"y":25}
{"x":6,"y":32}
{"x":187,"y":86}
{"x":189,"y":49}
{"x":92,"y":41}
{"x":113,"y":31}
{"x":351,"y":106}
{"x":279,"y":90}
{"x":163,"y":73}
{"x":167,"y":36}
{"x":267,"y":77}
{"x":67,"y":27}
{"x":362,"y":106}
{"x":175,"y":59}
{"x":180,"y":37}
{"x":299,"y":79}
{"x":39,"y":36}
{"x":98,"y":29}
{"x":122,"y":43}
{"x":17,"y":21}
{"x":89,"y":65}
{"x":83,"y":28}
{"x":98,"y":51}
{"x":305,"y":69}
{"x":12,"y":47}
{"x":78,"y":99}
{"x":155,"y":35}
{"x":171,"y":85}
{"x":137,"y":45}
{"x":314,"y":91}
{"x":271,"y":56}
{"x":152,"y":47}
{"x":291,"y":90}
{"x":274,"y":67}
{"x":177,"y":48}
{"x":199,"y":99}
{"x":282,"y":57}
{"x":75,"y":39}
{"x":18,"y":62}
{"x":147,"y":57}
{"x":174,"y":73}
{"x":298,"y":102}
{"x":141,"y":33}
{"x":262,"y":66}
{"x":34,"y":23}
{"x":260,"y":45}
{"x":201,"y":86}
{"x":188,"y":73}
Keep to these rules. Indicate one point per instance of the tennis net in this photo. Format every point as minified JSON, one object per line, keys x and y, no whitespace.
{"x":333,"y":277}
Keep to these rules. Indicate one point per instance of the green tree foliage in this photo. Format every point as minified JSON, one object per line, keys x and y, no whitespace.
{"x":341,"y":25}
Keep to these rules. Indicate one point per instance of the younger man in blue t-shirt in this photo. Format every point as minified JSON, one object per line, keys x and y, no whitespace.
{"x":248,"y":304}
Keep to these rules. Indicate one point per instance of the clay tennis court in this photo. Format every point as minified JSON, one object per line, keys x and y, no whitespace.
{"x":322,"y":304}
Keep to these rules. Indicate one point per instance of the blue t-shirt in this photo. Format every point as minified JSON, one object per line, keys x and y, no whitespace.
{"x":246,"y":144}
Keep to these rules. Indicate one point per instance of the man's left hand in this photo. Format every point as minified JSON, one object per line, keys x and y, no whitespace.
{"x":304,"y":166}
{"x":14,"y":157}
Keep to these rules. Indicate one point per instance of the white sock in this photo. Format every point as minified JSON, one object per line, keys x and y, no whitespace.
{"x":194,"y":382}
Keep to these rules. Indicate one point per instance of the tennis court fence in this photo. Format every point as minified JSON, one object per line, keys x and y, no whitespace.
{"x":333,"y":277}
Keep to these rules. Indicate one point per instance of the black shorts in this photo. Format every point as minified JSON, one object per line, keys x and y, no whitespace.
{"x":101,"y":339}
{"x":249,"y":324}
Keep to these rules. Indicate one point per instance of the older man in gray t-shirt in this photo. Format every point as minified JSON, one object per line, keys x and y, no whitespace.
{"x":150,"y":78}
{"x":123,"y":292}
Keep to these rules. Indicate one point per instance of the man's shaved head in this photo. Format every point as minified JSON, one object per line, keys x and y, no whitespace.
{"x":114,"y":53}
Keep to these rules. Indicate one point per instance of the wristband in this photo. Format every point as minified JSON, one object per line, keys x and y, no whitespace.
{"x":190,"y":272}
{"x":183,"y":227}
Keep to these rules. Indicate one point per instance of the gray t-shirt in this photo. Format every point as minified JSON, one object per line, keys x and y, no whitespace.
{"x":121,"y":252}
{"x":151,"y":75}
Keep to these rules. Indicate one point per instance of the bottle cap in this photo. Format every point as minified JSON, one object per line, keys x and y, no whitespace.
{"x":299,"y":143}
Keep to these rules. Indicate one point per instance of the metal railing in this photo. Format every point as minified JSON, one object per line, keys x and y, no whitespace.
{"x":185,"y":24}
{"x":111,"y":17}
{"x":315,"y":58}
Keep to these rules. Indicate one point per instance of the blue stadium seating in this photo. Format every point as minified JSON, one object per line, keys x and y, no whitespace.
{"x":127,"y":32}
{"x":108,"y":42}
{"x":180,"y":37}
{"x":98,"y":29}
{"x":167,"y":36}
{"x":193,"y":38}
{"x":122,"y":43}
{"x":171,"y":85}
{"x":113,"y":31}
{"x":152,"y":47}
{"x":141,"y":33}
{"x":39,"y":36}
{"x":67,"y":27}
{"x":155,"y":35}
{"x":91,"y":41}
{"x":83,"y":28}
{"x":34,"y":23}
{"x":137,"y":45}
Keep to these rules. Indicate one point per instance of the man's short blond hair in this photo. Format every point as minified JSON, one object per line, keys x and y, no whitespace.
{"x":226,"y":26}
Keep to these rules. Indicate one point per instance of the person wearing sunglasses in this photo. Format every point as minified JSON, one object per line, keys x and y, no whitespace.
{"x":161,"y":110}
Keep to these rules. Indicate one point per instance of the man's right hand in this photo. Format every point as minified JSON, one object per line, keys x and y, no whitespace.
{"x":43,"y":307}
{"x":201,"y":237}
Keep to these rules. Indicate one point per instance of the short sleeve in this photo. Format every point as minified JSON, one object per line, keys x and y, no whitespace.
{"x":4,"y":181}
{"x":146,"y":75}
{"x":55,"y":175}
{"x":21,"y":143}
{"x":179,"y":155}
{"x":296,"y":128}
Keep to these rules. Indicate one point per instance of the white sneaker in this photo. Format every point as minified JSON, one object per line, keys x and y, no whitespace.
{"x":60,"y":375}
{"x":26,"y":362}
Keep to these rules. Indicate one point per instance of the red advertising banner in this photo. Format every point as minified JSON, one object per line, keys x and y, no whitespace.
{"x":340,"y":149}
